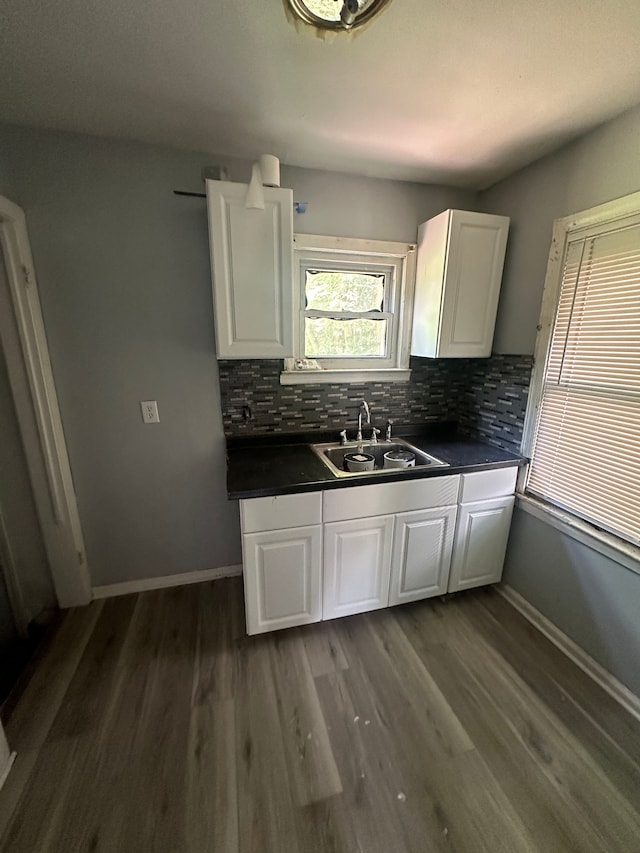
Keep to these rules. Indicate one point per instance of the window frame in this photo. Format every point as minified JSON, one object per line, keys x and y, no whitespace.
{"x":311,"y":252}
{"x":565,"y":230}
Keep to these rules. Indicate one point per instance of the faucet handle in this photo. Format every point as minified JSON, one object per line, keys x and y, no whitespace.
{"x":374,"y":435}
{"x":343,"y":437}
{"x":389,"y":425}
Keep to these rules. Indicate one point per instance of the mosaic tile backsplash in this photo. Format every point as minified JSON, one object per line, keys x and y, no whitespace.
{"x":494,"y":396}
{"x":487,"y":397}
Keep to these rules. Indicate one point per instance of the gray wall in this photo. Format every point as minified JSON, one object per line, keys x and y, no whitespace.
{"x":369,"y":208}
{"x":603,"y":165}
{"x":123,"y":269}
{"x":592,"y":599}
{"x":124,"y":280}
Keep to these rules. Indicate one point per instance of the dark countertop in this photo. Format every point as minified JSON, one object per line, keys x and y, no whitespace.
{"x":264,"y":466}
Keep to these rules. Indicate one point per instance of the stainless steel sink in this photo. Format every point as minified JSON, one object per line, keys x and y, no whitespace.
{"x":333,"y":457}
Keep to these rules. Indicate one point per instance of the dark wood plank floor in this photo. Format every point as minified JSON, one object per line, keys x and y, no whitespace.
{"x":152,"y":723}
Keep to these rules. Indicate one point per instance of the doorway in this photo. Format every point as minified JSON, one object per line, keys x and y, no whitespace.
{"x":24,"y":343}
{"x":26,"y":589}
{"x":42,"y":555}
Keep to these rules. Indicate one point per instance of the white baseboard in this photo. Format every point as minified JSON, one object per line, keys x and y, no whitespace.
{"x":5,"y":770}
{"x":145,"y":584}
{"x":572,"y":650}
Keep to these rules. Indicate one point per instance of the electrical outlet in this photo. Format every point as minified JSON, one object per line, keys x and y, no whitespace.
{"x":150,"y":412}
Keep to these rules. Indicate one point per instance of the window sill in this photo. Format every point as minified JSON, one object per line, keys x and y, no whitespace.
{"x":604,"y":543}
{"x":338,"y":377}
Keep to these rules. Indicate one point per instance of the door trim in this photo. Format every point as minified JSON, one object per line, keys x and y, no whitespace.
{"x":55,"y":497}
{"x":14,"y":591}
{"x":6,"y":757}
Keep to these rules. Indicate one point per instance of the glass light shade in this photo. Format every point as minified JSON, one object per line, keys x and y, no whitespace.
{"x":328,"y":14}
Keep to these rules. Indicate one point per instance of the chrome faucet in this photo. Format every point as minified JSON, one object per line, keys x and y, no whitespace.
{"x":364,"y":409}
{"x":389,"y":425}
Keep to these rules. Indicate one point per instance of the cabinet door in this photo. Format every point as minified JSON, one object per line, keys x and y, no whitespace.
{"x":252,"y":264}
{"x":480,"y":543}
{"x":282,"y":578}
{"x":475,"y":258}
{"x":357,"y":563}
{"x":422,"y":544}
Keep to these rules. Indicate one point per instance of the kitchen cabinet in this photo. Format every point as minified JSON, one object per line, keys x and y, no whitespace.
{"x":366,"y":564}
{"x":282,"y":561}
{"x":421,"y":558}
{"x":357,"y":563}
{"x":482,"y":529}
{"x":321,"y":555}
{"x":458,"y":275}
{"x":252,"y":267}
{"x":282,"y":578}
{"x":480,"y":543}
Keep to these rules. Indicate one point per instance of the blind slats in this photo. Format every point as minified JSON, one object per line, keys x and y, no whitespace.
{"x":586,"y":455}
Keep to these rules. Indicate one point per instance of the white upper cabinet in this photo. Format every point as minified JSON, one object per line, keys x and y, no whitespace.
{"x":252,"y":266}
{"x":458,"y":276}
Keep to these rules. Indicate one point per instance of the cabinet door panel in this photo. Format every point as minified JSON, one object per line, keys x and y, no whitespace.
{"x":252,"y":263}
{"x":480,"y":543}
{"x":282,"y":578}
{"x":475,"y":259}
{"x":357,"y":564}
{"x":422,"y":545}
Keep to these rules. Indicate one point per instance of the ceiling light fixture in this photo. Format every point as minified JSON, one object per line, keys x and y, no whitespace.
{"x":337,"y":14}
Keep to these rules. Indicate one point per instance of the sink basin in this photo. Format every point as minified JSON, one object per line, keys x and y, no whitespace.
{"x":333,"y":457}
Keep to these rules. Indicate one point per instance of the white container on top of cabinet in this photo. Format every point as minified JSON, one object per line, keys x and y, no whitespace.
{"x":458,"y":275}
{"x":252,"y":267}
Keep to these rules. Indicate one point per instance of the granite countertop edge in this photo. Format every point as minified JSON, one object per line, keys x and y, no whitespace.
{"x":265,"y":466}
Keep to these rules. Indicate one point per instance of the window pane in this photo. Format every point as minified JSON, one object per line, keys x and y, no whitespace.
{"x":329,"y":338}
{"x":343,"y":291}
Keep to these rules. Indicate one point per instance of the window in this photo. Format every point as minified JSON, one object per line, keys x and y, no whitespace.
{"x":583,"y":425}
{"x":351,"y":297}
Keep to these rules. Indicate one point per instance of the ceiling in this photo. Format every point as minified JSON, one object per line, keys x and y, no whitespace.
{"x":461,"y":92}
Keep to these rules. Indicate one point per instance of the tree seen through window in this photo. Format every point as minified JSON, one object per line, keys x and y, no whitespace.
{"x":340,"y":295}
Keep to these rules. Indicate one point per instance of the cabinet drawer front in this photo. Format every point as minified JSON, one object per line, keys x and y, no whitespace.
{"x":280,"y":511}
{"x":383,"y":498}
{"x":482,"y":485}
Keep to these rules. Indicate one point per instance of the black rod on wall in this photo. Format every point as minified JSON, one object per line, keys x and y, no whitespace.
{"x":195,"y":195}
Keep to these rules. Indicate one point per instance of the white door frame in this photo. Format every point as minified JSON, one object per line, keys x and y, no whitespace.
{"x":44,"y":444}
{"x":6,"y":757}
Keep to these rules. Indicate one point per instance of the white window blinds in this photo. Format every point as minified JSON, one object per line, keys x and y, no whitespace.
{"x":586,"y":454}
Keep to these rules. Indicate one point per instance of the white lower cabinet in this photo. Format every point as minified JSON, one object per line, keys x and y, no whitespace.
{"x":422,"y":545}
{"x":320,"y":555}
{"x":480,"y":542}
{"x":282,"y":578}
{"x":357,"y":563}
